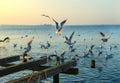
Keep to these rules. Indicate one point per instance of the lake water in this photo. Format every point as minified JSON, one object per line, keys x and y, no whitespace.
{"x":106,"y":71}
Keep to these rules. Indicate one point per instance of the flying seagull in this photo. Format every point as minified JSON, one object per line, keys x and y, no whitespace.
{"x":29,"y":46}
{"x":5,"y":39}
{"x":59,"y":26}
{"x":68,"y":40}
{"x":45,"y":16}
{"x":90,"y":51}
{"x":104,"y":37}
{"x":47,"y":46}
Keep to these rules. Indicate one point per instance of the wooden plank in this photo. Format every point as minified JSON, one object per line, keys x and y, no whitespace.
{"x":56,"y":78}
{"x":7,"y":64}
{"x":39,"y":68}
{"x":23,"y":66}
{"x":71,"y":71}
{"x":43,"y":74}
{"x":9,"y":59}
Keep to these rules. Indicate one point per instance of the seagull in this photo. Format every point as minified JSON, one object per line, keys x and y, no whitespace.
{"x":45,"y":16}
{"x":90,"y":50}
{"x":104,"y":37}
{"x":28,"y":49}
{"x":46,"y":47}
{"x":5,"y":39}
{"x":73,"y":49}
{"x":99,"y":52}
{"x":68,"y":40}
{"x":14,"y":45}
{"x":59,"y":26}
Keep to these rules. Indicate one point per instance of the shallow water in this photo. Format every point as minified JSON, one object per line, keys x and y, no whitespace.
{"x":106,"y":71}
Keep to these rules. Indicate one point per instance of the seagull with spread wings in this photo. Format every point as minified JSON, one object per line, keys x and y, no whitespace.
{"x":68,"y":40}
{"x":28,"y":48}
{"x":104,"y":37}
{"x":59,"y":26}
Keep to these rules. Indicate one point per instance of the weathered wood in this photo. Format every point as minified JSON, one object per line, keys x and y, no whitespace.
{"x":43,"y":74}
{"x":71,"y":71}
{"x":39,"y":68}
{"x":56,"y":78}
{"x":23,"y":66}
{"x":7,"y":64}
{"x":9,"y":59}
{"x":92,"y":63}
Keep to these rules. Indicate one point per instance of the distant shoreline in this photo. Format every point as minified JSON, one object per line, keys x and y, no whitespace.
{"x":65,"y":25}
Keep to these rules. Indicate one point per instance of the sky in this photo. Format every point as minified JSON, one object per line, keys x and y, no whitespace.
{"x":77,"y":12}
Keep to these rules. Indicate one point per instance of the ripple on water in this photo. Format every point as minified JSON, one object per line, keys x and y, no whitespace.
{"x":14,"y":76}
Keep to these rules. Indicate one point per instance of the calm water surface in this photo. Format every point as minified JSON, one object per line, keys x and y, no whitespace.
{"x":105,"y":71}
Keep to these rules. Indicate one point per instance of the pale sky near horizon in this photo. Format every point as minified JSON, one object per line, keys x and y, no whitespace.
{"x":78,"y":12}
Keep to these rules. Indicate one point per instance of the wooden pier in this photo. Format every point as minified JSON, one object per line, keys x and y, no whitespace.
{"x":40,"y":71}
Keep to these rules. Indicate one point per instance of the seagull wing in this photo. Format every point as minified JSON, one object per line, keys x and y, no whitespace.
{"x":62,"y":23}
{"x":92,"y":47}
{"x":102,"y":34}
{"x":66,"y":38}
{"x":57,"y":25}
{"x":1,"y":40}
{"x":7,"y":38}
{"x":71,"y":36}
{"x":29,"y":43}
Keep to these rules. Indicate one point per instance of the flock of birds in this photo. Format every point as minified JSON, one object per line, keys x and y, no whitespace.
{"x":70,"y":43}
{"x":67,"y":40}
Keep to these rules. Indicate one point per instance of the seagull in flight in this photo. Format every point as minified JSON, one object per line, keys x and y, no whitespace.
{"x":59,"y":26}
{"x":104,"y":37}
{"x":45,"y":16}
{"x":47,"y":46}
{"x":28,"y":49}
{"x":5,"y":39}
{"x":68,"y":40}
{"x":90,"y":51}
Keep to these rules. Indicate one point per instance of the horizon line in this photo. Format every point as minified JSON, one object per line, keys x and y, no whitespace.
{"x":64,"y":25}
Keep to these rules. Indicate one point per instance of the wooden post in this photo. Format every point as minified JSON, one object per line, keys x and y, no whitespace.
{"x":56,"y":78}
{"x":92,"y":63}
